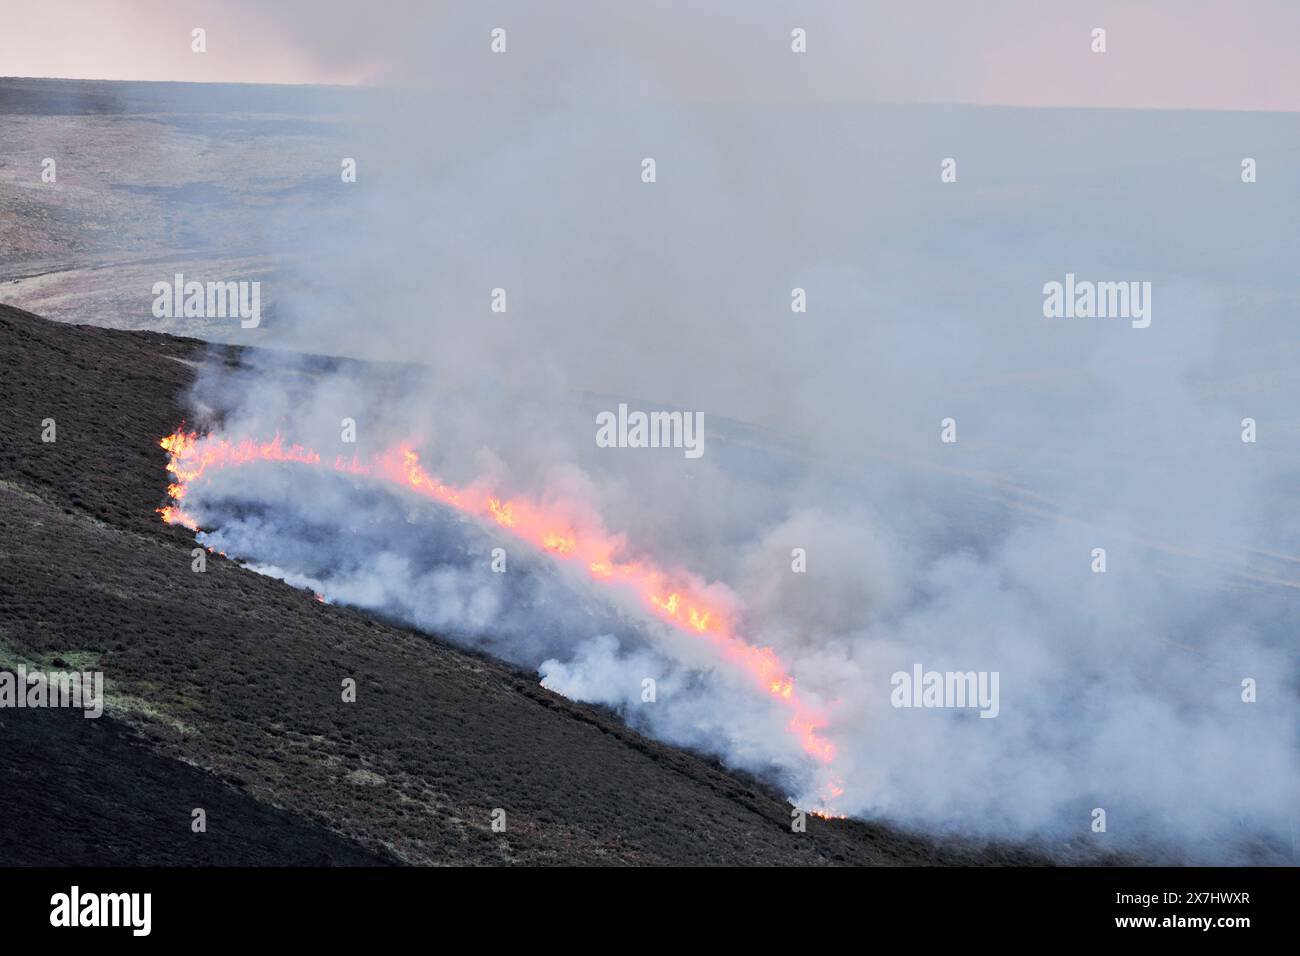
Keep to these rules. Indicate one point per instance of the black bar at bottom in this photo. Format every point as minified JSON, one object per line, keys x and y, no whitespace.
{"x":329,"y":905}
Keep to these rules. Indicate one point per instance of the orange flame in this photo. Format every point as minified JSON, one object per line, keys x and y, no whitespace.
{"x":685,"y":605}
{"x":558,"y":543}
{"x":502,"y":513}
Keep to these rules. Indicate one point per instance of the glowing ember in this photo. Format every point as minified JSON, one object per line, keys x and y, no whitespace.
{"x":681,"y":604}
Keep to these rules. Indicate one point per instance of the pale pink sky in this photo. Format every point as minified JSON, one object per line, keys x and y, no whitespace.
{"x":1198,"y":54}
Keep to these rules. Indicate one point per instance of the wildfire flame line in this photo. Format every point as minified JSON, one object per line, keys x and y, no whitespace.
{"x":669,"y":597}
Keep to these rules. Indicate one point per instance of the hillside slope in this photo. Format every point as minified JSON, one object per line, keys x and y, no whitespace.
{"x":224,"y":687}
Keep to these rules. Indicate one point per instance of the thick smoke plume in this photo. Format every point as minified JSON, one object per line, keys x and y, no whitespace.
{"x":1119,"y":690}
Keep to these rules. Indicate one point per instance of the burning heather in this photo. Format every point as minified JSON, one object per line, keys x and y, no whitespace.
{"x":675,"y":597}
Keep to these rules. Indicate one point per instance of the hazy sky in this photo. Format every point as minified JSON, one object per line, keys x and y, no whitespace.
{"x":1160,"y":53}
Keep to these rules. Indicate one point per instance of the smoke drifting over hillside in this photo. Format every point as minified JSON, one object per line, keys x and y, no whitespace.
{"x":1119,"y":690}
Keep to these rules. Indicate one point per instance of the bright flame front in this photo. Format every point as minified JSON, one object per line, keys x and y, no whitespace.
{"x":670,"y":597}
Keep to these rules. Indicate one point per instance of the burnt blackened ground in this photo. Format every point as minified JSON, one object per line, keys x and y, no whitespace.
{"x":225,"y":686}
